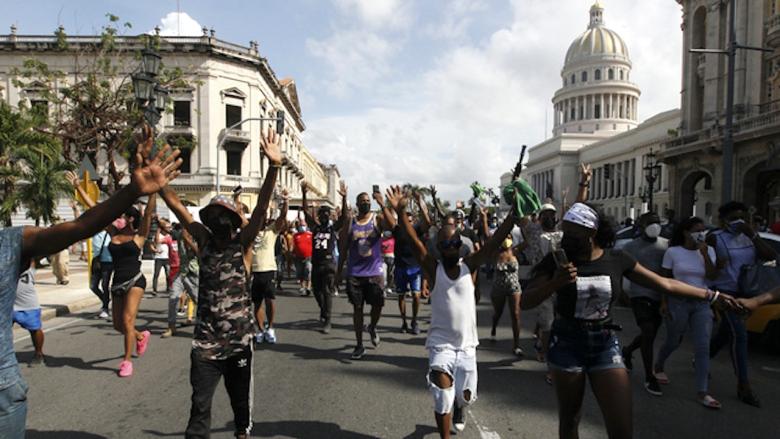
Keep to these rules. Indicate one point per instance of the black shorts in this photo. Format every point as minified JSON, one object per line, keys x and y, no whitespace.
{"x":368,"y":290}
{"x":263,"y":286}
{"x":323,"y":279}
{"x":116,"y":291}
{"x":646,"y":311}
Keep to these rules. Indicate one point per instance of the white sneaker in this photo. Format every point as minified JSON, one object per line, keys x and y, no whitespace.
{"x":259,"y":337}
{"x":270,"y":336}
{"x":103,"y":314}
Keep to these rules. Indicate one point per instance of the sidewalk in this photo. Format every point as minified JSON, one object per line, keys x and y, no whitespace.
{"x":58,"y":300}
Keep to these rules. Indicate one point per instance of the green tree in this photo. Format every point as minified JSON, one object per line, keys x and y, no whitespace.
{"x":43,"y":182}
{"x":94,"y":115}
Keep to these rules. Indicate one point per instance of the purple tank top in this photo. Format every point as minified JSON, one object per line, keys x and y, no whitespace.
{"x":365,"y":250}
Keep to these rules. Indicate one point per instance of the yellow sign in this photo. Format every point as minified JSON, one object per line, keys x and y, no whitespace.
{"x":90,"y":187}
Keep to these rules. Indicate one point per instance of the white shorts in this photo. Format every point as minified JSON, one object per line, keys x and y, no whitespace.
{"x":459,"y":364}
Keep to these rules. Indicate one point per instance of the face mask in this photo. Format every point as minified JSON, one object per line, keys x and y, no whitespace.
{"x":576,"y":249}
{"x":364,"y":208}
{"x":119,"y":223}
{"x":548,"y":223}
{"x":450,"y":261}
{"x":699,"y":237}
{"x":302,"y":229}
{"x":733,"y":226}
{"x":221,"y":227}
{"x":324,"y":219}
{"x":653,"y":231}
{"x":493,"y":224}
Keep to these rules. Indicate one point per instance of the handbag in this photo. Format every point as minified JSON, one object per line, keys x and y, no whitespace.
{"x":96,"y":267}
{"x":755,"y":279}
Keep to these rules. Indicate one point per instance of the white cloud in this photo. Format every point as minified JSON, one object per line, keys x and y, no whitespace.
{"x":476,"y":103}
{"x":378,"y":14}
{"x":179,"y":24}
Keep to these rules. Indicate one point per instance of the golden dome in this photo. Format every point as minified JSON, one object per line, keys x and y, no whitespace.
{"x":597,"y":40}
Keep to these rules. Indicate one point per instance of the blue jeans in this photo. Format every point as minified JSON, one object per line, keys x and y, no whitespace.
{"x":697,"y":314}
{"x":575,"y":349}
{"x":13,"y":404}
{"x":732,"y":331}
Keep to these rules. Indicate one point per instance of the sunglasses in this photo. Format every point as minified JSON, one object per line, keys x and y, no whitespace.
{"x":450,"y":243}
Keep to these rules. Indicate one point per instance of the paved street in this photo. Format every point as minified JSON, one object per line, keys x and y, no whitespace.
{"x":306,"y":386}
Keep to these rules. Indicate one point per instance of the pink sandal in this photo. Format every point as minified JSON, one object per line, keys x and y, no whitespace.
{"x":143,"y":343}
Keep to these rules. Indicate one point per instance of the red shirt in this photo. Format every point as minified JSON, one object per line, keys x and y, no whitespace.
{"x":302,"y":244}
{"x":173,"y":249}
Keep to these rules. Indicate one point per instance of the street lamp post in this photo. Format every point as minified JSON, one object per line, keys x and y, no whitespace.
{"x":651,"y":168}
{"x":149,"y":94}
{"x":279,"y":119}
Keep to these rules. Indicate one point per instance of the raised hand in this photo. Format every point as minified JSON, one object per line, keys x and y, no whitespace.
{"x":565,"y":275}
{"x":378,"y":198}
{"x":286,"y":193}
{"x":270,"y":146}
{"x":433,"y":191}
{"x":72,"y":178}
{"x":145,"y":142}
{"x":152,"y":175}
{"x":396,"y":198}
{"x":586,"y":172}
{"x":343,"y":189}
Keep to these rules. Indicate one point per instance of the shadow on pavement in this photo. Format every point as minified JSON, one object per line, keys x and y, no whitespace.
{"x":74,"y":362}
{"x":421,"y":431}
{"x":304,"y":429}
{"x":36,"y":434}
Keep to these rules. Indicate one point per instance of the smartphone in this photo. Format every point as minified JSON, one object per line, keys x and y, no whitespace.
{"x":376,"y":188}
{"x":560,"y":257}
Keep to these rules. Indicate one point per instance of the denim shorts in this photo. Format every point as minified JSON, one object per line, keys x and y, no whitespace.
{"x":577,"y":350}
{"x":407,"y":279}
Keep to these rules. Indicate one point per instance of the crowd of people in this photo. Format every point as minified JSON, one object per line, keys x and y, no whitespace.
{"x":556,"y":265}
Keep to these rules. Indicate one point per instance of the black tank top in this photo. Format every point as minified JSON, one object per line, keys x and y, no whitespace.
{"x":127,"y":260}
{"x":324,"y":244}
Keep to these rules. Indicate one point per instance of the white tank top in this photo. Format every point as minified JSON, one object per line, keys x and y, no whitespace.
{"x":453,"y":311}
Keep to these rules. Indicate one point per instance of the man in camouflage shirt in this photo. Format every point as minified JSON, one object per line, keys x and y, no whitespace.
{"x":222,"y":344}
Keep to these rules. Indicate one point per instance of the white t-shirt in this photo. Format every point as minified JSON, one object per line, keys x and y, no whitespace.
{"x":162,"y":250}
{"x":687,"y":265}
{"x":453,"y":311}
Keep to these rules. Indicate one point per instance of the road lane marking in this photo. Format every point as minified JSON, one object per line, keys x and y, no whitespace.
{"x":484,"y":432}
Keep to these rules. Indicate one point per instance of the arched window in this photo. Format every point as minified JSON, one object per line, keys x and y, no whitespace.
{"x":597,"y":75}
{"x":573,"y":78}
{"x":610,"y":74}
{"x":584,"y":76}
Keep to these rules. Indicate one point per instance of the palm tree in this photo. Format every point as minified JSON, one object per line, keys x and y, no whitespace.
{"x":43,"y":181}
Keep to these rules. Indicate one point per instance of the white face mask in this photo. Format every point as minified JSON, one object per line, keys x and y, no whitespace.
{"x":653,"y":230}
{"x":699,"y":237}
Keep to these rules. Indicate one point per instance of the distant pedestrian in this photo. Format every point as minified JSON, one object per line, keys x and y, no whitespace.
{"x":27,"y":313}
{"x":302,"y":249}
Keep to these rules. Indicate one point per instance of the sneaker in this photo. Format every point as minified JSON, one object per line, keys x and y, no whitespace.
{"x":181,"y":313}
{"x":415,"y":328}
{"x":259,"y":337}
{"x":37,"y":361}
{"x":653,"y":388}
{"x":142,"y":344}
{"x":125,"y":368}
{"x":168,"y":333}
{"x":326,"y":328}
{"x":627,"y":360}
{"x":374,"y":336}
{"x":404,"y":328}
{"x":270,"y":336}
{"x":103,"y":314}
{"x":358,"y":353}
{"x":458,"y":418}
{"x":302,"y":291}
{"x":518,"y":352}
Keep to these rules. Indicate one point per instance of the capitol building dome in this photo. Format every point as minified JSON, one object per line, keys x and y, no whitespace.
{"x":597,"y":95}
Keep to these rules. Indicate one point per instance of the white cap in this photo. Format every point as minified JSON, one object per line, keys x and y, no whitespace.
{"x":547,"y":206}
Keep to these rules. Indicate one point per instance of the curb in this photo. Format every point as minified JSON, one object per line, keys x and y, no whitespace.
{"x":51,"y":311}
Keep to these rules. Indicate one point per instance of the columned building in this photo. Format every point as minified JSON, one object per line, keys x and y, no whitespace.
{"x":227,"y":83}
{"x":595,"y":122}
{"x":695,"y":152}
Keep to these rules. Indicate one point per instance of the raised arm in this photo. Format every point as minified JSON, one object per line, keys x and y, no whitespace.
{"x":585,"y":176}
{"x":483,"y":255}
{"x":400,"y":202}
{"x":648,"y":279}
{"x":270,"y":147}
{"x":281,"y":222}
{"x":389,"y":220}
{"x":197,"y":230}
{"x":343,"y":214}
{"x":74,"y":180}
{"x":424,"y":217}
{"x":149,"y":176}
{"x":146,"y":222}
{"x":310,"y":219}
{"x":436,"y":204}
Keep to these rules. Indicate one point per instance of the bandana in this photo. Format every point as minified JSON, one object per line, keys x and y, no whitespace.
{"x":583,"y":215}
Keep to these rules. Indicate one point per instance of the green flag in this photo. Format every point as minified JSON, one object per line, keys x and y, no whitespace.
{"x":522,"y":197}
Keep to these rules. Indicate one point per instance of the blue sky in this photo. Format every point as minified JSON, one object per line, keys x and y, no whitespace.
{"x":429,"y":91}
